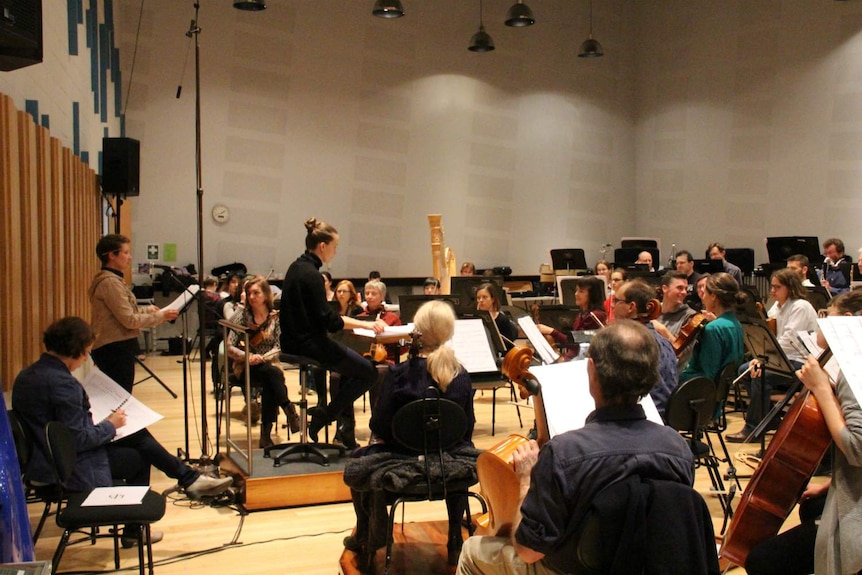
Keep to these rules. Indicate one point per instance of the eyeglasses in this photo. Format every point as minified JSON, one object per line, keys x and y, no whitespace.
{"x":617,"y":300}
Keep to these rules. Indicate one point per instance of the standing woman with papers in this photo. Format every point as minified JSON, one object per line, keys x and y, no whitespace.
{"x":117,"y":317}
{"x":47,"y":391}
{"x":307,"y":319}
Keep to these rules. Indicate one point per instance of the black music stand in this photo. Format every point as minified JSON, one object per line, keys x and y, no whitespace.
{"x":463,"y":289}
{"x":761,"y":343}
{"x":569,"y":259}
{"x":781,"y":248}
{"x":409,"y":304}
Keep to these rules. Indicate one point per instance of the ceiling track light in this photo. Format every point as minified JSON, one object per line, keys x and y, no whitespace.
{"x":520,"y":15}
{"x":250,"y":5}
{"x":591,"y":47}
{"x":481,"y":40}
{"x":388,"y":9}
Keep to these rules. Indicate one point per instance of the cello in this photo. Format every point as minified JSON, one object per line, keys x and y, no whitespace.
{"x":495,"y":467}
{"x":789,"y":462}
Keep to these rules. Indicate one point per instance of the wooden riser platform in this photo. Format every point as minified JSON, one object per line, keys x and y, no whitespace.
{"x":419,"y":550}
{"x":293,"y":484}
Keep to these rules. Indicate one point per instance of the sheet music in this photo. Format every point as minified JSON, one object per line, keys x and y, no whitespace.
{"x":184,"y":298}
{"x":844,"y":335}
{"x":809,"y":340}
{"x":471,"y":346}
{"x":391,"y":331}
{"x":119,"y":495}
{"x":537,"y":340}
{"x":107,"y":396}
{"x":567,"y":399}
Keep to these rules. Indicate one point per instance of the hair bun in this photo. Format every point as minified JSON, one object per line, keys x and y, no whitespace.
{"x":310,"y":224}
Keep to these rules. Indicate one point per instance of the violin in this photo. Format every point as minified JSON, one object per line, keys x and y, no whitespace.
{"x":789,"y":462}
{"x":376,"y":353}
{"x":495,"y":467}
{"x":689,"y":333}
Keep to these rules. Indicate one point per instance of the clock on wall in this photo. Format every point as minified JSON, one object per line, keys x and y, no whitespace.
{"x":221,"y":213}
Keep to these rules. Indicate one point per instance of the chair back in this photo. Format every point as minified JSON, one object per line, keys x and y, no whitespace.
{"x":691,"y":405}
{"x":61,"y":449}
{"x":429,"y":425}
{"x":722,"y":389}
{"x":23,"y":446}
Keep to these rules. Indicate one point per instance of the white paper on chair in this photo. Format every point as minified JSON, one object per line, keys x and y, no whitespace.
{"x":566,"y":396}
{"x":119,"y":495}
{"x":391,"y":331}
{"x":184,"y":298}
{"x":106,"y":396}
{"x":470,"y":342}
{"x":844,"y":335}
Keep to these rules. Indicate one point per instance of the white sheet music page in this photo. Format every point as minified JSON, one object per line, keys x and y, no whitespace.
{"x":537,"y":340}
{"x":567,"y":399}
{"x":809,"y":340}
{"x":107,"y":396}
{"x":843,"y":333}
{"x":471,"y":346}
{"x":391,"y":331}
{"x":184,"y":298}
{"x":119,"y":495}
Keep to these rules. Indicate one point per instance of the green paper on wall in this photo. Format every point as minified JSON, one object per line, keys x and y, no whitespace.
{"x":170,"y":252}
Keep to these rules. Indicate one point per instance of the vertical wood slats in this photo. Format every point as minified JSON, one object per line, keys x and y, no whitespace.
{"x":49,"y":225}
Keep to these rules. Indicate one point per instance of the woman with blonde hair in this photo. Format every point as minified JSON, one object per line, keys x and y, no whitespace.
{"x":432,"y":363}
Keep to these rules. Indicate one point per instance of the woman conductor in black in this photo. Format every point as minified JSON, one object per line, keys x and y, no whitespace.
{"x":307,"y":318}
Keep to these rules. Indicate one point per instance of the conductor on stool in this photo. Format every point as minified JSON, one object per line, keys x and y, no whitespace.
{"x":306,"y":319}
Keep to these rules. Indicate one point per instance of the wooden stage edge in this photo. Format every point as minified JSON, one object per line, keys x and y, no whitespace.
{"x":288,"y":490}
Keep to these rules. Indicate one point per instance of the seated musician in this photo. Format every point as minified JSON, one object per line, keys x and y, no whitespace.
{"x":327,"y":285}
{"x":347,"y":298}
{"x":793,"y":313}
{"x":558,"y":483}
{"x":675,"y":314}
{"x":603,"y":270}
{"x":431,"y":286}
{"x":720,"y":342}
{"x":800,"y":264}
{"x":468,"y":269}
{"x":431,"y":363}
{"x":827,"y":544}
{"x":264,"y":332}
{"x":701,"y":286}
{"x":685,"y":264}
{"x":590,"y":300}
{"x":834,"y":278}
{"x":631,"y":301}
{"x":645,"y":258}
{"x":487,"y":300}
{"x":47,"y":391}
{"x":716,"y":251}
{"x":618,"y":276}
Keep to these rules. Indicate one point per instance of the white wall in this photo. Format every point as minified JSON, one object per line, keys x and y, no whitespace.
{"x":318,"y":108}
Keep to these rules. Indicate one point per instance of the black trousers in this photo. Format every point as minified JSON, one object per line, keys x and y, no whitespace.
{"x":131,"y":458}
{"x":791,"y":552}
{"x":273,"y":392}
{"x":117,"y":361}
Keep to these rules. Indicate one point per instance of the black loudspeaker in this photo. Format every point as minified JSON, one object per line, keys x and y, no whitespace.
{"x":121,"y":171}
{"x":20,"y":33}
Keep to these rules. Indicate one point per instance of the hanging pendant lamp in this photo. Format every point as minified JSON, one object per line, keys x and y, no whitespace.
{"x":520,"y":15}
{"x":591,"y":47}
{"x":388,"y":9}
{"x":481,"y":40}
{"x":250,"y":5}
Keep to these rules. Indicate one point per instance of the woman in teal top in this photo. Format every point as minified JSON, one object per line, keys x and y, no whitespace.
{"x":721,"y":340}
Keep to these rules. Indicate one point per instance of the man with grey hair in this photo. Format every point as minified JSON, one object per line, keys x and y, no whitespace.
{"x":558,"y":483}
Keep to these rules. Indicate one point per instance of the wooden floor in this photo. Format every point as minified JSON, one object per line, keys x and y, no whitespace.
{"x":203,"y":540}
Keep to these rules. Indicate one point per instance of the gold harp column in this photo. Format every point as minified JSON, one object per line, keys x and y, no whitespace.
{"x":442,"y":258}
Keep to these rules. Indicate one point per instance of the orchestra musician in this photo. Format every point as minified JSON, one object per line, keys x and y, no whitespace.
{"x":618,"y":276}
{"x":793,"y":313}
{"x":674,"y":311}
{"x":306,"y":318}
{"x":432,"y":363}
{"x":685,"y":264}
{"x":260,"y":318}
{"x":487,"y":300}
{"x":117,"y":317}
{"x":834,"y":260}
{"x":468,"y":269}
{"x":558,"y":483}
{"x":47,"y":391}
{"x":700,"y":287}
{"x":721,"y":340}
{"x":590,"y":300}
{"x":645,"y":258}
{"x":631,"y":301}
{"x":431,"y":286}
{"x":327,"y":285}
{"x":716,"y":251}
{"x":831,"y":544}
{"x":604,"y":269}
{"x":347,"y":298}
{"x":799,"y":263}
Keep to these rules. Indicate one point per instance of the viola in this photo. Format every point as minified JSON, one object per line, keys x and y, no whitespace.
{"x":495,"y":467}
{"x":789,"y":462}
{"x":689,"y":333}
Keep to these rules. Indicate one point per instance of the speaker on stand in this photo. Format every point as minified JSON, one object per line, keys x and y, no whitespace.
{"x":121,"y":170}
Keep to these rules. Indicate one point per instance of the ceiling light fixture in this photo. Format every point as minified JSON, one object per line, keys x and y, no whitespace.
{"x":520,"y":15}
{"x":481,"y":40}
{"x":388,"y":9}
{"x":250,"y":5}
{"x":591,"y":47}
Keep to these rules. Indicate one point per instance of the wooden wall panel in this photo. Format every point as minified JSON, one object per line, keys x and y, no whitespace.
{"x":49,"y":226}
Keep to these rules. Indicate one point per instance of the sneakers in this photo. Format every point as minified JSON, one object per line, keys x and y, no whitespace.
{"x":129,"y":542}
{"x":206,"y":486}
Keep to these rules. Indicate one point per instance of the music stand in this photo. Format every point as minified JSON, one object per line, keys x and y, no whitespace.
{"x":781,"y":248}
{"x":761,"y":343}
{"x":464,"y":289}
{"x":409,"y":304}
{"x":569,"y":259}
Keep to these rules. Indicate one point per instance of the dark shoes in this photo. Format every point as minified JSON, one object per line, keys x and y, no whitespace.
{"x":292,"y":418}
{"x":744,"y":436}
{"x":319,"y":419}
{"x":453,"y":549}
{"x":129,"y":542}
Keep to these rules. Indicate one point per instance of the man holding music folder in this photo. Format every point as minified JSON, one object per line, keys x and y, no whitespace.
{"x":47,"y":391}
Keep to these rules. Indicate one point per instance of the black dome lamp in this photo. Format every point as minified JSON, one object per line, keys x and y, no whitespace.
{"x":520,"y":15}
{"x":481,"y":40}
{"x":388,"y":9}
{"x":250,"y":5}
{"x":591,"y":47}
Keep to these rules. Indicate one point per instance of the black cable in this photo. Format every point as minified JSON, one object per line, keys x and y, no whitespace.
{"x":134,"y":57}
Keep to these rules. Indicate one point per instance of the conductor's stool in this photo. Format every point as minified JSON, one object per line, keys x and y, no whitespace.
{"x":303,"y":448}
